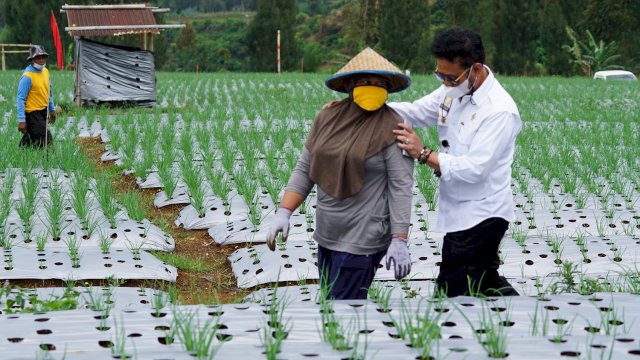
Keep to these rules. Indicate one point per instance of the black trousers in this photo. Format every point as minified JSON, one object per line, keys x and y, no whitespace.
{"x":37,"y":134}
{"x":470,"y":261}
{"x":348,"y":276}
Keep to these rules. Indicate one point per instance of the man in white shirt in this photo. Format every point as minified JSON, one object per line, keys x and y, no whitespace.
{"x":477,"y":122}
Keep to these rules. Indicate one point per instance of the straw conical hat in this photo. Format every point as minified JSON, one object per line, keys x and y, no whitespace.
{"x":368,"y":62}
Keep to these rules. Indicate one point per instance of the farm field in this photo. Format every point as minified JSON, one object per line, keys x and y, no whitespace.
{"x":143,"y":230}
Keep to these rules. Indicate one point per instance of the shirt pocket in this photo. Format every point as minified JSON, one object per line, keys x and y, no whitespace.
{"x":466,"y":131}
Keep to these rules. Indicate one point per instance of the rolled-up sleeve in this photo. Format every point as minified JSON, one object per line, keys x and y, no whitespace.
{"x":299,"y":181}
{"x":487,"y":147}
{"x":400,"y":183}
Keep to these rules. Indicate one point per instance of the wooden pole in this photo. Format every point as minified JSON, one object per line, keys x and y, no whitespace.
{"x":77,"y":69}
{"x":144,"y":41}
{"x":4,"y":64}
{"x":279,"y":52}
{"x":150,"y":41}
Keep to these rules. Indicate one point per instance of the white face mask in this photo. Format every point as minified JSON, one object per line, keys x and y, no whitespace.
{"x":459,"y":91}
{"x":463,"y":89}
{"x":38,"y":66}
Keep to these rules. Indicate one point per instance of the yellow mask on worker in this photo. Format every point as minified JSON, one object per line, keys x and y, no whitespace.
{"x":369,"y":98}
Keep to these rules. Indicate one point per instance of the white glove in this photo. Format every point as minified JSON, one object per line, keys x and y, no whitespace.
{"x":280,"y":224}
{"x":399,"y":255}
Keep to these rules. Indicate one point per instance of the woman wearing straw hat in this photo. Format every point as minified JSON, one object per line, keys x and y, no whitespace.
{"x":364,"y":182}
{"x":35,"y":100}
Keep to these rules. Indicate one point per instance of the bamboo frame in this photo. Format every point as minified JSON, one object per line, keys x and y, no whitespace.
{"x":4,"y":52}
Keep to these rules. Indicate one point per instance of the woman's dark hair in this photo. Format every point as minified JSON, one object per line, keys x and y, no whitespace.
{"x":459,"y":45}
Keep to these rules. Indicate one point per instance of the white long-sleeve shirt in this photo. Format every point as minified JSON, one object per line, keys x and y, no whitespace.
{"x":480,"y":133}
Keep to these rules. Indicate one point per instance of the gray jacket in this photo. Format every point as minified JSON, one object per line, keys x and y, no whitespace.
{"x":362,"y":224}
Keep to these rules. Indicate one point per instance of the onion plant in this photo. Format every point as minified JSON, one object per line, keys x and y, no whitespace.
{"x":490,"y":332}
{"x":186,"y":145}
{"x":159,"y":300}
{"x":602,"y":227}
{"x":25,"y":211}
{"x":98,"y":300}
{"x":136,"y":249}
{"x":381,"y":294}
{"x":419,"y":328}
{"x":105,"y":244}
{"x":73,"y":245}
{"x":134,"y":204}
{"x":271,"y":340}
{"x":165,"y":172}
{"x":129,"y":147}
{"x":106,"y":198}
{"x":55,"y":212}
{"x":191,"y":178}
{"x":341,"y":337}
{"x":7,"y":186}
{"x":254,"y":212}
{"x":90,"y":225}
{"x":79,"y":197}
{"x":272,"y":185}
{"x":276,"y":329}
{"x":119,"y":342}
{"x":41,"y":242}
{"x":30,"y":186}
{"x":519,"y":235}
{"x":5,"y":240}
{"x":144,"y":164}
{"x":221,"y":187}
{"x":228,"y":158}
{"x":197,"y":337}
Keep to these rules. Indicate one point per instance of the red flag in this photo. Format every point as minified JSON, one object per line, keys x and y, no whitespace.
{"x":56,"y":41}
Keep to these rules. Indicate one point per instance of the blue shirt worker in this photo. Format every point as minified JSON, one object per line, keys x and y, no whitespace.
{"x":363,"y":208}
{"x":35,"y":100}
{"x":477,"y":122}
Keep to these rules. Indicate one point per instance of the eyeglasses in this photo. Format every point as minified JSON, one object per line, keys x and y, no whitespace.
{"x":448,"y":78}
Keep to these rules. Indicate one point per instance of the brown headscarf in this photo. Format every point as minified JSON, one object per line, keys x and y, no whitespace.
{"x":341,"y":139}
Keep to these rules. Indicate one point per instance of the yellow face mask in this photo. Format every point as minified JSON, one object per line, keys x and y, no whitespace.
{"x":369,"y":98}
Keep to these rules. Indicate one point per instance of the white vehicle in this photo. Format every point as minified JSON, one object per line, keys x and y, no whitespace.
{"x":614,"y":75}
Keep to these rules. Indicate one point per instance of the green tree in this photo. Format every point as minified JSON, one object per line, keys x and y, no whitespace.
{"x":187,"y":39}
{"x":185,"y":49}
{"x":515,"y":36}
{"x":401,"y":30}
{"x":615,"y":20}
{"x":549,"y":60}
{"x":271,"y":16}
{"x":593,"y":55}
{"x":361,"y":19}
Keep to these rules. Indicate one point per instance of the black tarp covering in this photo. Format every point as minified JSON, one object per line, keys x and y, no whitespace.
{"x":114,"y":73}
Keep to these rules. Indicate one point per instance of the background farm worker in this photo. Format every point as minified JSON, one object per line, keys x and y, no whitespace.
{"x":363,"y":181}
{"x":35,"y":100}
{"x":477,"y":122}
